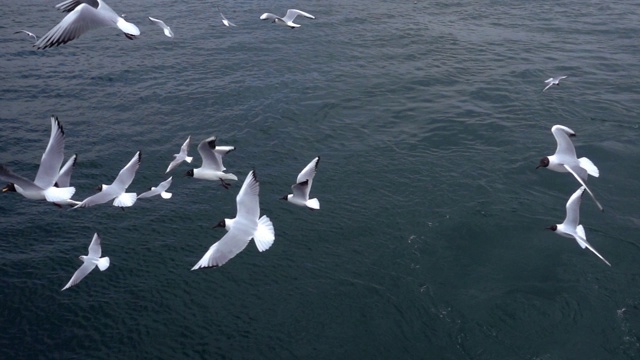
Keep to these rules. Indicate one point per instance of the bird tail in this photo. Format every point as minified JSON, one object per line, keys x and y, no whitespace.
{"x":188,"y":159}
{"x":313,"y":204}
{"x":265,"y":234}
{"x":166,"y":195}
{"x":54,"y":194}
{"x":588,"y":165}
{"x":125,"y":200}
{"x":103,"y":263}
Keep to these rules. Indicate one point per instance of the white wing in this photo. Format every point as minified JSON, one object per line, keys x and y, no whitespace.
{"x":126,"y":175}
{"x":301,"y":190}
{"x":549,"y":80}
{"x":221,"y":151}
{"x":82,"y":19}
{"x":80,"y":274}
{"x":209,"y":159}
{"x":64,"y":176}
{"x":575,"y":174}
{"x":95,"y":250}
{"x":292,"y":13}
{"x":573,"y":209}
{"x":247,"y":200}
{"x":565,"y":147}
{"x":586,"y":243}
{"x":35,"y":38}
{"x":52,"y":157}
{"x":232,"y":243}
{"x":309,"y":171}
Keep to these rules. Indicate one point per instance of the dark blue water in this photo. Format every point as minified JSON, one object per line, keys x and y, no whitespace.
{"x":429,"y":120}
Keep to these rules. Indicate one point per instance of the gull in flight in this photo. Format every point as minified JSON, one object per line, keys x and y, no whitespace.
{"x":302,"y":187}
{"x":160,"y":190}
{"x":165,"y":28}
{"x":83,"y":16}
{"x":570,"y":227}
{"x":287,"y":20}
{"x":35,"y":38}
{"x":90,"y":261}
{"x":182,"y":156}
{"x":224,"y":19}
{"x":43,"y":187}
{"x":565,"y":160}
{"x":212,"y":168}
{"x":117,"y":189}
{"x":240,"y":230}
{"x":553,"y":81}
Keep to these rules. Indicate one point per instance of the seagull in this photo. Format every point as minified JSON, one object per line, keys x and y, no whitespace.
{"x":64,"y":179}
{"x":287,"y":20}
{"x":182,"y":156}
{"x":242,"y":228}
{"x":165,"y":28}
{"x":35,"y":38}
{"x":224,"y":19}
{"x":83,"y":16}
{"x":160,"y":190}
{"x":90,"y":262}
{"x":117,"y":189}
{"x":570,"y":228}
{"x":43,"y":187}
{"x":565,"y":160}
{"x":553,"y":81}
{"x":212,"y":168}
{"x":302,"y":187}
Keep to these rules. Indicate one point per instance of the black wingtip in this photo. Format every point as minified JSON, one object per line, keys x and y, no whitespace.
{"x":75,"y":160}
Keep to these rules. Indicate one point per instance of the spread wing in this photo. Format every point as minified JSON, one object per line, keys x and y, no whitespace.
{"x":52,"y":157}
{"x":247,"y":200}
{"x":95,"y":250}
{"x":209,"y":159}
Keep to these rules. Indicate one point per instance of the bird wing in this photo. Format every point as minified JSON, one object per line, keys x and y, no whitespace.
{"x":52,"y":157}
{"x":309,"y":171}
{"x":126,"y":175}
{"x":209,"y":159}
{"x":82,"y":19}
{"x":546,"y":87}
{"x":158,"y":22}
{"x":64,"y":176}
{"x":292,"y":13}
{"x":564,"y":147}
{"x":586,"y":243}
{"x":157,"y":190}
{"x":247,"y":200}
{"x":573,"y":209}
{"x":232,"y":243}
{"x":221,"y":151}
{"x":95,"y":250}
{"x":80,"y":274}
{"x":18,"y":180}
{"x":301,"y":190}
{"x":70,"y":5}
{"x":575,"y":174}
{"x":99,"y":198}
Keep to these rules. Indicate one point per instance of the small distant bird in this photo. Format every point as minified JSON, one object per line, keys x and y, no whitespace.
{"x":212,"y":168}
{"x":570,"y":227}
{"x":165,"y":28}
{"x":565,"y":159}
{"x":182,"y":156}
{"x":287,"y":20}
{"x":35,"y":38}
{"x":43,"y":187}
{"x":160,"y":190}
{"x":84,"y":15}
{"x":224,"y":19}
{"x":242,"y":228}
{"x":553,"y":81}
{"x":117,"y":189}
{"x":90,"y":262}
{"x":302,"y":187}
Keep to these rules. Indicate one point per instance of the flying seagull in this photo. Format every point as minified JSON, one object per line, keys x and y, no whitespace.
{"x":224,"y":19}
{"x":302,"y":187}
{"x":89,"y":262}
{"x":35,"y":38}
{"x":160,"y":190}
{"x":212,"y":168}
{"x":287,"y":20}
{"x":84,"y":15}
{"x":165,"y":28}
{"x":240,"y":230}
{"x":182,"y":156}
{"x":553,"y":81}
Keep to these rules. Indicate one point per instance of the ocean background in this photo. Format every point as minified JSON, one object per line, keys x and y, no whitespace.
{"x":429,"y":118}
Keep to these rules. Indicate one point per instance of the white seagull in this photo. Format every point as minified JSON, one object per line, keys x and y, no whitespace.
{"x":182,"y":156}
{"x":570,"y":227}
{"x":224,"y":19}
{"x":165,"y":28}
{"x":212,"y":168}
{"x":553,"y":81}
{"x":160,"y":190}
{"x":117,"y":189}
{"x":90,"y":262}
{"x":43,"y":187}
{"x":287,"y":20}
{"x":302,"y":187}
{"x":83,"y":16}
{"x":35,"y":38}
{"x":242,"y":228}
{"x":565,"y":159}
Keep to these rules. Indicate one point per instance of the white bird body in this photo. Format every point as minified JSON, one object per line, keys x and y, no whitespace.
{"x":241,"y":229}
{"x":553,"y":81}
{"x":565,"y":159}
{"x":163,"y":26}
{"x":570,"y":227}
{"x":302,"y":187}
{"x":83,"y":16}
{"x":117,"y":189}
{"x":160,"y":190}
{"x":182,"y":156}
{"x":43,"y":187}
{"x":212,"y":167}
{"x":287,"y":20}
{"x":90,"y":261}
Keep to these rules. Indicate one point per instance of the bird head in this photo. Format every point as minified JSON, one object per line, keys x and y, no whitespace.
{"x":544,"y":162}
{"x":9,"y":188}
